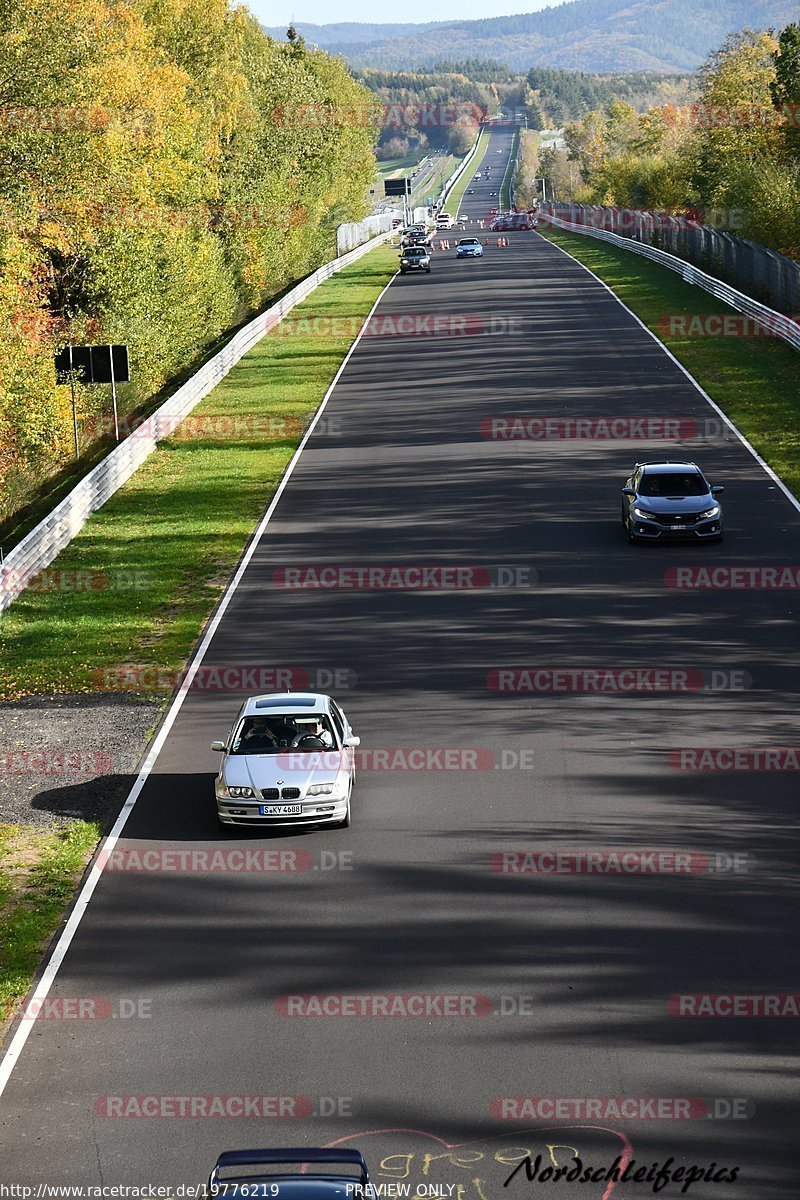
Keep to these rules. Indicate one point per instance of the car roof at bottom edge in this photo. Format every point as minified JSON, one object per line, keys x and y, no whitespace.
{"x":287,"y":701}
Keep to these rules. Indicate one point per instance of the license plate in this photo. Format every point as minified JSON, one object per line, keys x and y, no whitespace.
{"x":677,"y":527}
{"x":280,"y":810}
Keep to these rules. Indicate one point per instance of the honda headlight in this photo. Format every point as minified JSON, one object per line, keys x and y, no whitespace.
{"x":711,"y":512}
{"x":644,"y":514}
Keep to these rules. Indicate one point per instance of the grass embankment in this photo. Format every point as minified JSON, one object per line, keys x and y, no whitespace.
{"x":151,"y":563}
{"x":505,"y":187}
{"x":388,"y":168}
{"x":38,"y":875}
{"x":457,"y":194}
{"x":433,"y":184}
{"x":755,"y":380}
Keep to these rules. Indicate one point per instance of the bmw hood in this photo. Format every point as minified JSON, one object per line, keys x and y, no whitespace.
{"x":291,"y":768}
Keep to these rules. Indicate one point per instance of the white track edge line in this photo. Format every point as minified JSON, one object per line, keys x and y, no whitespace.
{"x":58,"y":954}
{"x":765,"y":465}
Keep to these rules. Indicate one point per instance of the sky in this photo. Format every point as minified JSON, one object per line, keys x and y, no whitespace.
{"x":326,"y":12}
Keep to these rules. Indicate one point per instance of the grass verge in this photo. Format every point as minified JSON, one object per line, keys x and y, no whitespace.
{"x":389,"y":167}
{"x":511,"y":166}
{"x":457,"y":194}
{"x":138,"y":582}
{"x":432,"y":186}
{"x":39,"y":871}
{"x":755,"y":380}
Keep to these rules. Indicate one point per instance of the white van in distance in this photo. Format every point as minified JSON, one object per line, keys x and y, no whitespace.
{"x":445,"y":221}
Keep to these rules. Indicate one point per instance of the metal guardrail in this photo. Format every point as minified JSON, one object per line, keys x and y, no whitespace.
{"x":764,"y":274}
{"x":778,"y":324}
{"x":42,"y":545}
{"x":354,"y":233}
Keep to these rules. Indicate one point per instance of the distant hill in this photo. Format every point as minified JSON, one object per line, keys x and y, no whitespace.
{"x":582,"y":35}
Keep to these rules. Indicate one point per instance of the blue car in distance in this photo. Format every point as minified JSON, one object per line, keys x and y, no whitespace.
{"x":235,"y":1175}
{"x":469,"y":248}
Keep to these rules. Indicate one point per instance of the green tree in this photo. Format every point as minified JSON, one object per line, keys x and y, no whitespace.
{"x":785,"y":87}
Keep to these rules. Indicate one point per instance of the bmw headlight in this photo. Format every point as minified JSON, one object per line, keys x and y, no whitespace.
{"x":321,"y":789}
{"x":237,"y":793}
{"x":404,"y":262}
{"x":711,"y":512}
{"x":644,"y":514}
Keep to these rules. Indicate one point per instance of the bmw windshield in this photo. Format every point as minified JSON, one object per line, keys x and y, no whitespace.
{"x":272,"y":734}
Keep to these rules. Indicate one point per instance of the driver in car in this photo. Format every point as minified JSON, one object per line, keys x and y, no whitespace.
{"x":314,"y":730}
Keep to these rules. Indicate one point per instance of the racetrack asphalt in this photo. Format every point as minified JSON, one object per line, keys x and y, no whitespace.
{"x":406,"y":470}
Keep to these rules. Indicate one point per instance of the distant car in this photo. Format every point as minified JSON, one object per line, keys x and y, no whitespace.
{"x":662,"y":501}
{"x":506,"y":221}
{"x":469,"y":248}
{"x":470,"y":191}
{"x":415,"y":258}
{"x":417,"y":238}
{"x":233,"y":1176}
{"x":445,"y":221}
{"x":287,"y":760}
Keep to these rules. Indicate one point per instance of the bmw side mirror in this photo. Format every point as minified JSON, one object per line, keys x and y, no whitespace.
{"x":217,"y":744}
{"x":352,"y":741}
{"x":628,"y":492}
{"x":718,"y":487}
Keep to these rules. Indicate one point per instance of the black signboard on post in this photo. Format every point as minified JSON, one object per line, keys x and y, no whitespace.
{"x":397,"y":187}
{"x":93,"y":364}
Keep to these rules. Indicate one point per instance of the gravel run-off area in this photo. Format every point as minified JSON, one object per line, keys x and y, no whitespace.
{"x":70,"y":757}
